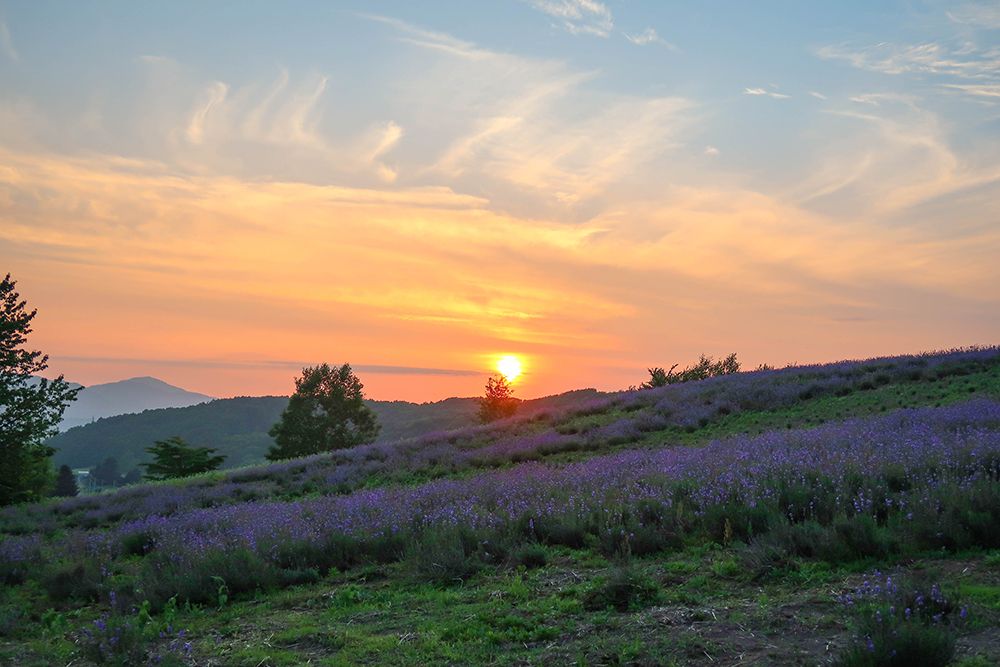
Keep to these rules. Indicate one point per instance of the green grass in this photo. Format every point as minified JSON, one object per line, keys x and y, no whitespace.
{"x":377,"y":615}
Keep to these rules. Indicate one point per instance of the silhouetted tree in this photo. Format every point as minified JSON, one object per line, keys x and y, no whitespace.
{"x":133,"y":476}
{"x":658,"y":377}
{"x":326,"y":412}
{"x":30,"y":407}
{"x":174,"y":457}
{"x":66,"y":483}
{"x":106,"y":472}
{"x":499,"y":401}
{"x":705,"y":368}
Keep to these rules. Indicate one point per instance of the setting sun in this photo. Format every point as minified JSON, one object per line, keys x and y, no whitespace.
{"x":509,"y":366}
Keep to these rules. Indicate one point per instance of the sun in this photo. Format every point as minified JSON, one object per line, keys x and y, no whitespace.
{"x":509,"y":366}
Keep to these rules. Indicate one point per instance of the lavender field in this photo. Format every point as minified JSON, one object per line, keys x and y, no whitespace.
{"x":754,"y":477}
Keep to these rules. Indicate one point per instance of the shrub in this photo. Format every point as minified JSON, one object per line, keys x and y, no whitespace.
{"x":901,"y":624}
{"x":445,"y":556}
{"x":530,"y":555}
{"x":135,"y":639}
{"x":624,"y":589}
{"x":72,"y":581}
{"x":903,"y":645}
{"x":10,"y":619}
{"x":238,"y":570}
{"x":860,"y":537}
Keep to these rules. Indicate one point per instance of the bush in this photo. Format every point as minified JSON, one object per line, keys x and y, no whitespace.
{"x":530,"y":555}
{"x":237,"y":571}
{"x":445,"y":556}
{"x":624,"y":590}
{"x":901,"y":624}
{"x":905,"y":645}
{"x":11,"y":617}
{"x":135,"y":639}
{"x":564,"y":531}
{"x":72,"y":581}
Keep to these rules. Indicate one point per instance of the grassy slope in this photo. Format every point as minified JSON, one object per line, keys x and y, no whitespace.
{"x":708,"y":609}
{"x":238,"y":427}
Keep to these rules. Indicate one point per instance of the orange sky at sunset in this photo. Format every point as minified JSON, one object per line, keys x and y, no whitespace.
{"x":228,"y":287}
{"x":418,"y":196}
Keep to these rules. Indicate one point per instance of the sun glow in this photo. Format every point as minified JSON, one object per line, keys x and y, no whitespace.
{"x":509,"y":366}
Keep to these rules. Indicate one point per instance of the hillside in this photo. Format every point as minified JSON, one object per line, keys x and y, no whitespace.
{"x":759,"y":517}
{"x":124,"y":397}
{"x":238,"y":427}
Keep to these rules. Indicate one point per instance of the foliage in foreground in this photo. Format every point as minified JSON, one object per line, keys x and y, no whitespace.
{"x":30,"y":407}
{"x":902,"y":624}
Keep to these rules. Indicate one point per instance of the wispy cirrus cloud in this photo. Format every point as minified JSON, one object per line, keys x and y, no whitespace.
{"x":7,"y":43}
{"x":291,"y":365}
{"x":647,"y":37}
{"x":431,"y":39}
{"x":214,"y":95}
{"x":966,"y":61}
{"x":578,"y":17}
{"x":530,"y":127}
{"x":989,"y":90}
{"x":977,"y":14}
{"x":899,"y":157}
{"x":760,"y":92}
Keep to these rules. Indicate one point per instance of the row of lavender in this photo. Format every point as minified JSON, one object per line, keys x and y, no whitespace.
{"x":904,"y":471}
{"x":615,"y":420}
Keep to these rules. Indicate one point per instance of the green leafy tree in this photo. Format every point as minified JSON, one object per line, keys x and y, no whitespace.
{"x":174,"y":457}
{"x":30,"y":407}
{"x":134,"y":476}
{"x":106,"y":472}
{"x":705,"y":368}
{"x":326,"y":412}
{"x":66,"y":483}
{"x":499,"y":401}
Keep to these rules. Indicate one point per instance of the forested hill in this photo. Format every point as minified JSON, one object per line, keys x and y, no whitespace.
{"x":237,"y":427}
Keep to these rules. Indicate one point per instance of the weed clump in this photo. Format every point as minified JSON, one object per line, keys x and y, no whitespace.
{"x":530,"y":555}
{"x":625,"y":589}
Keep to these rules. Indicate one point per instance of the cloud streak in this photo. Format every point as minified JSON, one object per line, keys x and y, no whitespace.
{"x":7,"y":43}
{"x":255,"y":364}
{"x":647,"y":37}
{"x":578,"y":17}
{"x":761,"y":92}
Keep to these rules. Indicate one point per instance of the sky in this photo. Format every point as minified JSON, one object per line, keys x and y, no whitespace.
{"x":217,"y":194}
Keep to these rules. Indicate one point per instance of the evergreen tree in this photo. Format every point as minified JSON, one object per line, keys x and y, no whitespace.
{"x":326,"y":412}
{"x":106,"y":472}
{"x":134,"y":476}
{"x":176,"y":458}
{"x":499,"y":401}
{"x":66,"y":483}
{"x":30,"y":407}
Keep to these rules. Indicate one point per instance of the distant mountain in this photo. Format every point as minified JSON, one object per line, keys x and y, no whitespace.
{"x":125,"y":397}
{"x":238,"y":427}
